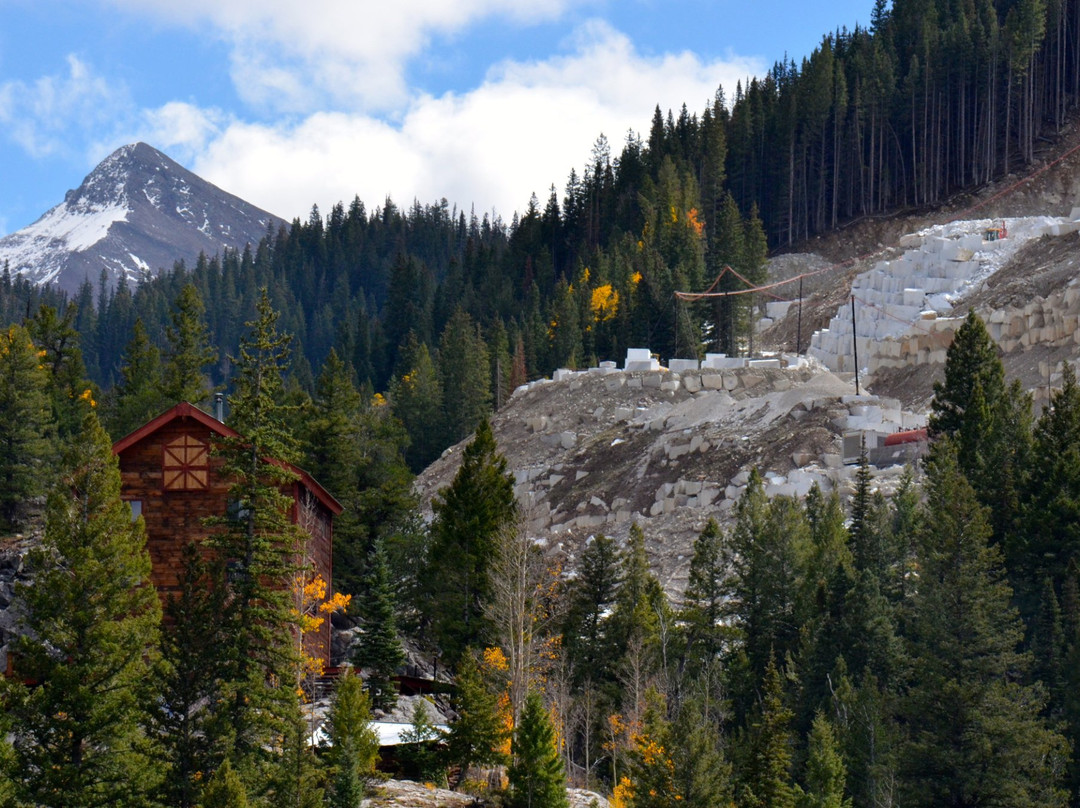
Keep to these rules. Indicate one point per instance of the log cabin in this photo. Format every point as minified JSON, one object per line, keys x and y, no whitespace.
{"x":170,"y":476}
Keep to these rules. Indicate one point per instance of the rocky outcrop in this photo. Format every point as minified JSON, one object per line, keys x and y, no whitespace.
{"x":598,"y":450}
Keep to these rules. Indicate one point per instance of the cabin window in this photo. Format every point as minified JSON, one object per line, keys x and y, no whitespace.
{"x":136,"y":508}
{"x":186,"y":464}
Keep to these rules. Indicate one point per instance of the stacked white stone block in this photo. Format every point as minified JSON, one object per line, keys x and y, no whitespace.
{"x":719,"y":361}
{"x":892,"y":297}
{"x":640,"y":359}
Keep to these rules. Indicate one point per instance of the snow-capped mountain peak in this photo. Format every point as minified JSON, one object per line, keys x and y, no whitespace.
{"x":136,"y":213}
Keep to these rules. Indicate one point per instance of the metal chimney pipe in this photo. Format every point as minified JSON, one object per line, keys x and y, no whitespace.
{"x":219,"y":406}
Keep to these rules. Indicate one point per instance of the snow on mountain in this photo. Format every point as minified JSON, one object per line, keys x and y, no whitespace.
{"x":137,"y":213}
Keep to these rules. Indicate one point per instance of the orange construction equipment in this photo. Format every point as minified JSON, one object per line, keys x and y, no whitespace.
{"x":995,"y":233}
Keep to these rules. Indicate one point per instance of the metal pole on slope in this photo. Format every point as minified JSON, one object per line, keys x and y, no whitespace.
{"x":854,"y":345}
{"x":798,"y":327}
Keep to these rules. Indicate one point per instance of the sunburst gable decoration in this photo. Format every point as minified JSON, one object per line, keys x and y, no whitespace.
{"x":185,"y":464}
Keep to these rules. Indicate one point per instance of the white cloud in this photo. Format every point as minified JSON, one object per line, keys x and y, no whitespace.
{"x":292,"y":56}
{"x":520,"y":131}
{"x":182,"y":129}
{"x":46,"y":115}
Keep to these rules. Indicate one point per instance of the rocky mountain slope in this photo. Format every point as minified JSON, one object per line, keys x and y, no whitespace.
{"x":598,"y":450}
{"x":137,"y":213}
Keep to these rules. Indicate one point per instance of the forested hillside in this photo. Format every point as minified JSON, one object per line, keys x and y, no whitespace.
{"x":931,"y":99}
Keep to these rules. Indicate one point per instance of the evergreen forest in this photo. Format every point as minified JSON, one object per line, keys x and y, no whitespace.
{"x":917,"y":649}
{"x":930,"y":100}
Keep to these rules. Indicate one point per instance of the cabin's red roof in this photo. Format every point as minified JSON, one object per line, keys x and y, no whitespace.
{"x":186,"y":410}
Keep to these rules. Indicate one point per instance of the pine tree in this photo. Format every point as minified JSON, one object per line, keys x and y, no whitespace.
{"x":354,"y":743}
{"x":766,"y":776}
{"x":137,"y":396}
{"x":186,"y":722}
{"x":770,"y":543}
{"x":416,"y":396}
{"x":537,"y":778}
{"x":420,"y":756}
{"x":296,"y":780}
{"x":704,"y":603}
{"x":67,"y":386}
{"x":477,"y":736}
{"x":225,"y":789}
{"x":866,"y":547}
{"x":26,"y":427}
{"x":378,"y":649}
{"x":1050,"y":537}
{"x":825,"y":770}
{"x":975,"y":735}
{"x":702,"y":774}
{"x":651,"y":777}
{"x":972,"y":359}
{"x":190,"y":351}
{"x":91,"y":631}
{"x":641,"y":610}
{"x":259,"y":545}
{"x":465,"y":377}
{"x":470,"y":515}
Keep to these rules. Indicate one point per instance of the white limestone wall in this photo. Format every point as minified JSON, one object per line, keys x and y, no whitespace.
{"x":902,"y":305}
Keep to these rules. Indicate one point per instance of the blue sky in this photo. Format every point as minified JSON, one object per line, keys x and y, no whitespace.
{"x":289,"y":104}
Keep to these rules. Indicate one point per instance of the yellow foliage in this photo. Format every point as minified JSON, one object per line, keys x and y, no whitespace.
{"x":378,"y":400}
{"x":623,"y":793}
{"x":311,"y":604}
{"x":338,"y":603}
{"x":674,"y":214}
{"x":635,"y":279}
{"x":88,"y":397}
{"x":506,"y":718}
{"x":495,"y":659}
{"x":604,"y":303}
{"x":694,"y":223}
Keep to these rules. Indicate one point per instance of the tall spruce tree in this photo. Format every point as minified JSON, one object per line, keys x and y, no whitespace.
{"x":590,"y":595}
{"x":137,"y":396}
{"x":189,"y":353}
{"x":187,"y":721}
{"x":465,"y":377}
{"x":1050,"y":538}
{"x":536,"y":775}
{"x":641,"y":611}
{"x":260,"y":545}
{"x":26,"y":427}
{"x":416,"y":396}
{"x":705,"y":602}
{"x":825,"y":770}
{"x":975,"y":735}
{"x":651,"y":771}
{"x":972,"y":359}
{"x":354,"y":742}
{"x":378,"y":648}
{"x":477,"y":736}
{"x":90,"y":640}
{"x":67,"y":386}
{"x":765,"y":777}
{"x":470,"y":516}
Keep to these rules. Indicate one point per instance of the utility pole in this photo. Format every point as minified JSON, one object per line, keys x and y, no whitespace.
{"x":854,"y":345}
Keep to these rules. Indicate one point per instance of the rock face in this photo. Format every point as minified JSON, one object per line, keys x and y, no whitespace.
{"x":137,"y":213}
{"x":599,"y":450}
{"x":904,"y":308}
